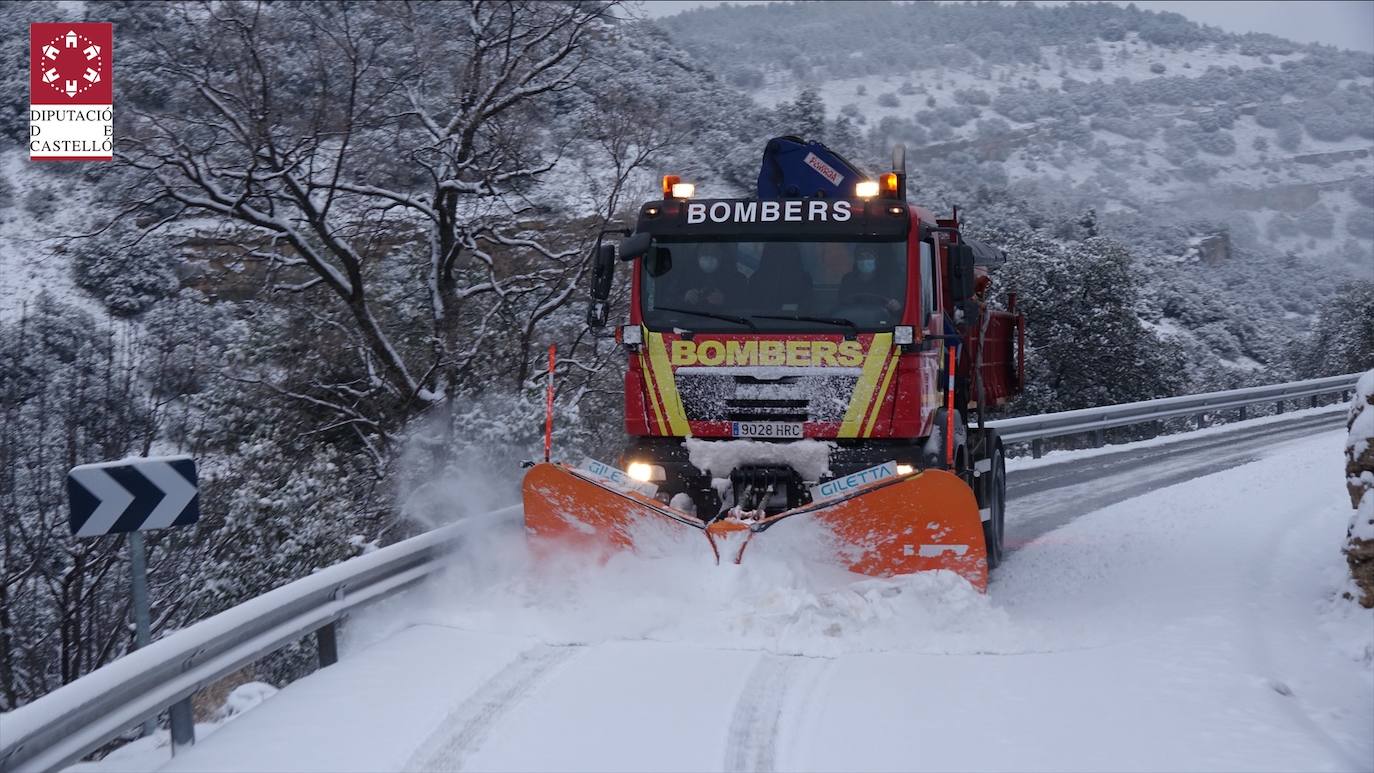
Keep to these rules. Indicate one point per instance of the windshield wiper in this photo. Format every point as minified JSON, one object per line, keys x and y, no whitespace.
{"x":837,"y":321}
{"x":711,"y":314}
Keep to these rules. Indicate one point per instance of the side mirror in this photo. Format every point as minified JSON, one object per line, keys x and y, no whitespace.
{"x":603,"y":272}
{"x":634,"y":246}
{"x":961,"y":262}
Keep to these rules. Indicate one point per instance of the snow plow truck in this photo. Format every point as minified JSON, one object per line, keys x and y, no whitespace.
{"x":824,"y":351}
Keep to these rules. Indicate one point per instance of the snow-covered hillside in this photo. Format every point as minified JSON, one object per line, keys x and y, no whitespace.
{"x":1196,"y":628}
{"x":39,"y":213}
{"x":1238,"y":169}
{"x":1122,"y":168}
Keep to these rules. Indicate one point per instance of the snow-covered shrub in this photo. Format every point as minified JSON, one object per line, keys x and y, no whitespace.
{"x":988,"y":128}
{"x":888,"y":99}
{"x":1359,"y":481}
{"x":1289,"y":135}
{"x":1218,"y":143}
{"x":1272,"y":116}
{"x":1113,"y":30}
{"x":1317,"y":220}
{"x":41,"y":201}
{"x":1360,"y":225}
{"x":127,"y":273}
{"x":1362,"y":189}
{"x":745,"y":77}
{"x":972,"y":97}
{"x":1157,"y":68}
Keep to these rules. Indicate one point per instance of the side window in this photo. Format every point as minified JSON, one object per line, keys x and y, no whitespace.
{"x":927,"y":283}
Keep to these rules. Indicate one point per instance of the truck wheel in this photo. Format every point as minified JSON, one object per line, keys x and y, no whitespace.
{"x":994,"y":527}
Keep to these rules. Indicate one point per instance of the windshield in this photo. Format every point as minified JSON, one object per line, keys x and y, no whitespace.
{"x":774,"y":286}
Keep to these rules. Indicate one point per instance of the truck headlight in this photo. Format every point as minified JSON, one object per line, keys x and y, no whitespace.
{"x":903,"y":334}
{"x":631,"y":335}
{"x":644,"y":473}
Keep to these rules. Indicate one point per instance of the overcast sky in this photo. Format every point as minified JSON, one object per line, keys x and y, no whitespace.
{"x":1342,"y":23}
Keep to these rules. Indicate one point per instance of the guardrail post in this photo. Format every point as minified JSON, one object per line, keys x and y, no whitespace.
{"x":327,"y":641}
{"x":1278,"y":407}
{"x":1244,"y":409}
{"x":1201,"y":420}
{"x":1037,"y":448}
{"x":1099,"y":437}
{"x":1314,"y":401}
{"x":183,"y":725}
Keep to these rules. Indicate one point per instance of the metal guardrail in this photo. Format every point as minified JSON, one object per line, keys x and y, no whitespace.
{"x":75,"y":719}
{"x":1035,"y":429}
{"x":70,"y":722}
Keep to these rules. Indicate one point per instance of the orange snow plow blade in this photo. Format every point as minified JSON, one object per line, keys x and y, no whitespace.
{"x":916,"y":523}
{"x":562,"y":506}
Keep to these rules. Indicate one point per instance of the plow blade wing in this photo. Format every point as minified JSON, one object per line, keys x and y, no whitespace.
{"x":919,"y":523}
{"x":563,"y":507}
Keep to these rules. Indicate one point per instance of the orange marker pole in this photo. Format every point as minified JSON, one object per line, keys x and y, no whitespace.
{"x":548,"y":410}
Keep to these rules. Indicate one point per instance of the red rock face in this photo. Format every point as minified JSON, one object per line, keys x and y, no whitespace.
{"x":1359,"y":552}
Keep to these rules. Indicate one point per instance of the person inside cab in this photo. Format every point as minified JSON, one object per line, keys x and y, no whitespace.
{"x":868,"y":285}
{"x":711,"y":281}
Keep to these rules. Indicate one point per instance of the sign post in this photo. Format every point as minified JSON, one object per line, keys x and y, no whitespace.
{"x":128,"y":497}
{"x":143,"y":634}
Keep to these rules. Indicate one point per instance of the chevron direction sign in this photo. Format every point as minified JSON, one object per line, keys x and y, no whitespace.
{"x":133,"y":495}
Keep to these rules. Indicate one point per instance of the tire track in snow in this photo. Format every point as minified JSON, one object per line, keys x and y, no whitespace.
{"x":755,"y":724}
{"x":1258,"y":630}
{"x":466,"y":728}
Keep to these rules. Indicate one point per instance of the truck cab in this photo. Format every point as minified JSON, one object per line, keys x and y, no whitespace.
{"x":833,"y":319}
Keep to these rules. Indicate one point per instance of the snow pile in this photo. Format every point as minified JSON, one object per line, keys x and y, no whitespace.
{"x":810,"y":458}
{"x":783,"y":598}
{"x":151,"y":752}
{"x":243,"y":698}
{"x":1359,"y":481}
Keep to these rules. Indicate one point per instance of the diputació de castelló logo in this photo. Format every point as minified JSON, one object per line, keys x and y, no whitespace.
{"x":71,"y":91}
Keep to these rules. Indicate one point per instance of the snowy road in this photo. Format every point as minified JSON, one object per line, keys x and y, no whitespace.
{"x":1190,"y":628}
{"x":1045,"y":494}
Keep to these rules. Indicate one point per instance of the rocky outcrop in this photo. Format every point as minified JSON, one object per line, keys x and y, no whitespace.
{"x":1359,"y":481}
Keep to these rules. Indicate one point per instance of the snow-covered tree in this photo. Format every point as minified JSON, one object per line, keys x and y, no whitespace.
{"x":1086,"y":344}
{"x":1342,"y":340}
{"x":406,"y":154}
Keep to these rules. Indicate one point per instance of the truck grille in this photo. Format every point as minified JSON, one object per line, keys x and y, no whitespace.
{"x":734,"y":397}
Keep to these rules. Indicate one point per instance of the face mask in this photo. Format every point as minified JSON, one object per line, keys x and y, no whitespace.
{"x":867,"y":265}
{"x":709,"y":263}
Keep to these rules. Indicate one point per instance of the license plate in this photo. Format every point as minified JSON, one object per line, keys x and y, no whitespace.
{"x":767,"y":429}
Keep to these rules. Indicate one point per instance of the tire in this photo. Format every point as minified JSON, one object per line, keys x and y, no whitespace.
{"x":994,"y":528}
